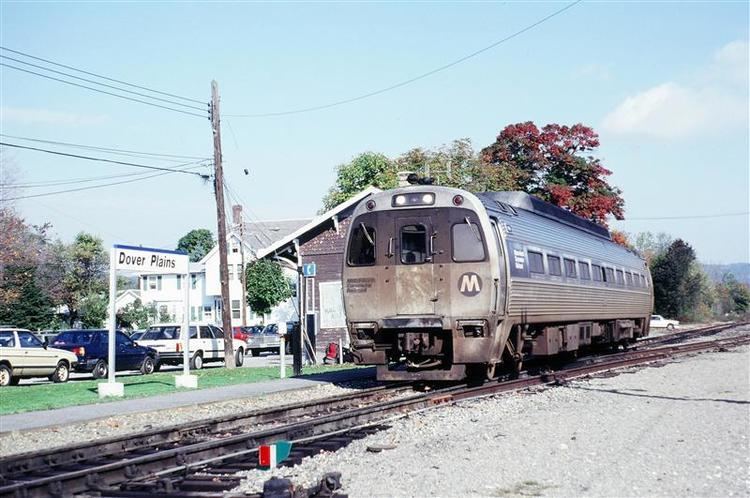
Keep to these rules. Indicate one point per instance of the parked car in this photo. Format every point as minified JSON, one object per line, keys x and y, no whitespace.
{"x":658,"y":321}
{"x":137,"y":334}
{"x":206,"y":344}
{"x":268,"y":339}
{"x":92,"y":349}
{"x":244,"y":333}
{"x":23,"y":355}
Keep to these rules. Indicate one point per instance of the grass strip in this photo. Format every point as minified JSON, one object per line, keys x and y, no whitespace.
{"x":26,"y":398}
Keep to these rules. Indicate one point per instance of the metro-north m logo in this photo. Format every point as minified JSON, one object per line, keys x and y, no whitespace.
{"x":469,"y":284}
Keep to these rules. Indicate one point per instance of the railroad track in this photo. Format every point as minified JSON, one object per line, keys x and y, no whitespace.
{"x":194,"y":460}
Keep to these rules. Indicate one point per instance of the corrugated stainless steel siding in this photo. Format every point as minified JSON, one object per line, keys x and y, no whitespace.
{"x":546,"y":298}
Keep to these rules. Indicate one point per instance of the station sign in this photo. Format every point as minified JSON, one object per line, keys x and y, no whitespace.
{"x":309,"y":269}
{"x":147,"y":259}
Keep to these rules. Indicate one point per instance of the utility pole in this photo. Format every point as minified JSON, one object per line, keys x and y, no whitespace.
{"x":243,"y":275}
{"x":226,"y":304}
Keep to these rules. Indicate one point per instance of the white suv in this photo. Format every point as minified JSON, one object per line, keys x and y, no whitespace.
{"x":206,"y":344}
{"x":23,"y":355}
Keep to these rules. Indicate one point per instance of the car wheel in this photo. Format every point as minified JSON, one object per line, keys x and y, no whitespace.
{"x":197,"y":362}
{"x":61,"y":374}
{"x":148,"y":367}
{"x":670,"y":326}
{"x":239,"y":358}
{"x":100,"y":369}
{"x":255,"y":352}
{"x":5,"y":376}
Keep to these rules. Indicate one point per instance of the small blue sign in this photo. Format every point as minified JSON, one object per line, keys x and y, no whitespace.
{"x":309,"y":269}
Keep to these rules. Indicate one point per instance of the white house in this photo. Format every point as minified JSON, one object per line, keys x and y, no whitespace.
{"x":167,"y":291}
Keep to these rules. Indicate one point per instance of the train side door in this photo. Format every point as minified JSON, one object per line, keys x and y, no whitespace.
{"x":414,"y":269}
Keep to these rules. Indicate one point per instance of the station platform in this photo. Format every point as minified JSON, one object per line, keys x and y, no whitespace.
{"x":84,"y":413}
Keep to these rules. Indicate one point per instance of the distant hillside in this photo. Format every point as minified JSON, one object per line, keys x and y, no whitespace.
{"x":741,"y":271}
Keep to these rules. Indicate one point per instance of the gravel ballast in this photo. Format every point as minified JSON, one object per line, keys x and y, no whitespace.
{"x":678,"y":430}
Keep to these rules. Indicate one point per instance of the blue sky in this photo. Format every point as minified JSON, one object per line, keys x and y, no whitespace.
{"x":664,"y":84}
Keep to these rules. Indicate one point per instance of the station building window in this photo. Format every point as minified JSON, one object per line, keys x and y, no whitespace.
{"x":235,"y":308}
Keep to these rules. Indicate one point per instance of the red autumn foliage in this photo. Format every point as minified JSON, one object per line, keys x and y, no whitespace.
{"x":555,"y":164}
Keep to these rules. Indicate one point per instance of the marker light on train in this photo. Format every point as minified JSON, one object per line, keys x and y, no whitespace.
{"x":370,"y":205}
{"x":458,"y":200}
{"x":427,"y":198}
{"x":400,"y":200}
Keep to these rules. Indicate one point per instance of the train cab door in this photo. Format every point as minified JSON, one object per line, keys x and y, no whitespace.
{"x":414,"y":277}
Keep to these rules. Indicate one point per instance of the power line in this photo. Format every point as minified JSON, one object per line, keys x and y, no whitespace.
{"x":692,"y":217}
{"x":74,"y":181}
{"x":135,"y":153}
{"x":102,"y":185}
{"x":189,"y":106}
{"x":103,"y":91}
{"x":410,"y":80}
{"x":102,"y":77}
{"x":89,"y":158}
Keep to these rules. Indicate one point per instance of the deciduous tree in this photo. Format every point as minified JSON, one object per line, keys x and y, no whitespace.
{"x":554,"y":164}
{"x":197,"y":243}
{"x":266,"y":286}
{"x":85,"y":277}
{"x":368,"y":168}
{"x":681,"y":288}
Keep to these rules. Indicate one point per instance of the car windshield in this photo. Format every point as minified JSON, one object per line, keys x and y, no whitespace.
{"x":75,"y":337}
{"x":164,"y":332}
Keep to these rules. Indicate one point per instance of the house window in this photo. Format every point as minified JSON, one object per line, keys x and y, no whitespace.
{"x":553,"y":263}
{"x":207,"y":312}
{"x":536,"y":263}
{"x":179,"y":282}
{"x":596,"y":271}
{"x":239,"y":272}
{"x":235,"y":248}
{"x":193,"y":280}
{"x":144,"y":283}
{"x":231,"y":272}
{"x":570,"y":268}
{"x":158,"y":282}
{"x":235,"y":308}
{"x":152,"y":282}
{"x":193,"y":312}
{"x":584,"y":270}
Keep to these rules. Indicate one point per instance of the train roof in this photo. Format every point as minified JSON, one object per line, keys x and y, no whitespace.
{"x":497,"y":201}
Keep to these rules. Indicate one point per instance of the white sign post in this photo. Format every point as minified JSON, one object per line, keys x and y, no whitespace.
{"x":141,"y":260}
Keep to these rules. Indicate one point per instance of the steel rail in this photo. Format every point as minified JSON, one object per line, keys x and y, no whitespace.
{"x":244,"y":447}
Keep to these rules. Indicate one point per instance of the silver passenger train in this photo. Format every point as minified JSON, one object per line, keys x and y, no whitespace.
{"x":440,"y":283}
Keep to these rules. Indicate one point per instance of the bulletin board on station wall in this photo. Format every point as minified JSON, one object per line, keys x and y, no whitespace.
{"x":331,"y":305}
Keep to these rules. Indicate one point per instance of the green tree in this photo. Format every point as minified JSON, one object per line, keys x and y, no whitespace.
{"x":197,"y":243}
{"x":681,"y":288}
{"x":733,"y":297}
{"x":86,"y":269}
{"x":368,"y":168}
{"x":650,"y":245}
{"x":32,"y":308}
{"x":133,"y":316}
{"x":93,"y":310}
{"x":266,"y":285}
{"x":455,"y":165}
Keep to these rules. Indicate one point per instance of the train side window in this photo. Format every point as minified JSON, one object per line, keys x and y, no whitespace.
{"x":536,"y":263}
{"x":644,"y":282}
{"x":362,"y":246}
{"x":609,"y":275}
{"x":629,"y":278}
{"x":570,"y":268}
{"x":620,"y":278}
{"x":553,"y":263}
{"x":596,"y":271}
{"x":467,"y":242}
{"x":413,"y":244}
{"x":583,"y":268}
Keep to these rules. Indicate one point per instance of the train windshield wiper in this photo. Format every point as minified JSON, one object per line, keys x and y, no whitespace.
{"x":367,"y":234}
{"x":473,"y":229}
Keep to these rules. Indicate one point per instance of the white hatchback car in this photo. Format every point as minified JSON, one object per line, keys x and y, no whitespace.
{"x":659,"y":322}
{"x":206,"y":344}
{"x":23,"y":355}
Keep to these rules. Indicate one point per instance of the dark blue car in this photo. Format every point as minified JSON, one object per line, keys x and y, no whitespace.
{"x":91,"y":347}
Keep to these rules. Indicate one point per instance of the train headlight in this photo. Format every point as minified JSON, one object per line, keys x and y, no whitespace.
{"x":413,"y":199}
